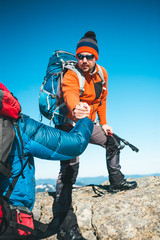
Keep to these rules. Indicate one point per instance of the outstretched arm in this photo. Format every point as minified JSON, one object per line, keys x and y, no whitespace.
{"x":53,"y":144}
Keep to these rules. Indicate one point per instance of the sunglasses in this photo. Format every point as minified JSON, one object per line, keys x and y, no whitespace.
{"x":88,"y":57}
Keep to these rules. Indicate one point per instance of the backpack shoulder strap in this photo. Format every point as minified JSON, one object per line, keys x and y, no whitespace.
{"x":100,"y":72}
{"x":12,"y":185}
{"x":80,"y":76}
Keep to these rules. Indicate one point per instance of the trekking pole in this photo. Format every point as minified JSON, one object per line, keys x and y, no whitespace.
{"x":119,"y":146}
{"x":126,"y":143}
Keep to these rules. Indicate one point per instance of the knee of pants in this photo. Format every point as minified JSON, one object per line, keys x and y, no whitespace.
{"x":111,"y":146}
{"x":69,"y":173}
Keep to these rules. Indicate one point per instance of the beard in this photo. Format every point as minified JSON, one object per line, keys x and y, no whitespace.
{"x":87,"y":68}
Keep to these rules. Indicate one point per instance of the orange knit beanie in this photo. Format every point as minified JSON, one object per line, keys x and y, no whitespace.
{"x":88,"y":43}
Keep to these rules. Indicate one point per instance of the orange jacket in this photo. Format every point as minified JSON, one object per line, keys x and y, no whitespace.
{"x":71,"y":93}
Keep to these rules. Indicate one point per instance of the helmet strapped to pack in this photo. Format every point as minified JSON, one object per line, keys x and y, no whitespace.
{"x":49,"y":97}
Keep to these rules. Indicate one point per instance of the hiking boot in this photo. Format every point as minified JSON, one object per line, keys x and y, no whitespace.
{"x":122,"y":186}
{"x":70,"y":234}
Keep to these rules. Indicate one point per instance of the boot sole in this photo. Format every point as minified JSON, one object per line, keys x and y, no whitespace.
{"x":120,"y":190}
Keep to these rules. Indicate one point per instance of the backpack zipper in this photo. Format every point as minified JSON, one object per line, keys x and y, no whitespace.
{"x":19,"y":215}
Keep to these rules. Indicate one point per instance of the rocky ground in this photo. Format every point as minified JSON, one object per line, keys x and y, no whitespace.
{"x":127,"y":215}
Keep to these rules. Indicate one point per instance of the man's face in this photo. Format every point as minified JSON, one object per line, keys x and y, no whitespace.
{"x":87,"y":63}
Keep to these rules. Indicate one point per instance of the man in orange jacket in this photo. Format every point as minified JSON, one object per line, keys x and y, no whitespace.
{"x":93,"y":99}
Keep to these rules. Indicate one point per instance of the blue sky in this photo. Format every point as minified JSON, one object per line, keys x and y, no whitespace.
{"x":128,"y":34}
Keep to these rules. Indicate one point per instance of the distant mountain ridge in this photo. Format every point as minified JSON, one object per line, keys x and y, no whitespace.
{"x":48,"y":184}
{"x":45,"y":188}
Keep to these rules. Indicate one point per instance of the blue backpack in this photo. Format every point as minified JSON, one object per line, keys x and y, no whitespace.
{"x":49,"y":96}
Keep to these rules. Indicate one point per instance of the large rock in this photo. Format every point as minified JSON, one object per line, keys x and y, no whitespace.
{"x":127,"y":215}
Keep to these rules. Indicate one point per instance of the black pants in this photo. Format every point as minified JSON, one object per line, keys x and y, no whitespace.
{"x":63,"y":209}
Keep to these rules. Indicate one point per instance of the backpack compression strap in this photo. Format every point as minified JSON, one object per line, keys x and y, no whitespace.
{"x":38,"y":226}
{"x":22,"y":227}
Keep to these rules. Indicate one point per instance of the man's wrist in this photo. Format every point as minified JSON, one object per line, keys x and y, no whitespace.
{"x":73,"y":113}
